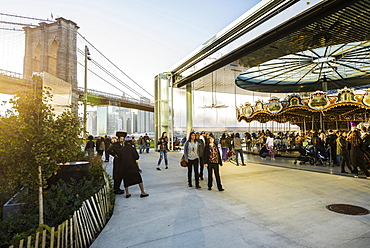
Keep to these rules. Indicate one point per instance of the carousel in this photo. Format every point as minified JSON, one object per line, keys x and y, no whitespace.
{"x":319,"y":110}
{"x":320,"y":78}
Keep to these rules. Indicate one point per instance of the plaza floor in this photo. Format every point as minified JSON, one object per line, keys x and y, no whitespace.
{"x":267,"y":203}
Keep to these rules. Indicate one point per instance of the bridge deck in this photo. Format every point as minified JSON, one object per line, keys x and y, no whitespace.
{"x":12,"y":83}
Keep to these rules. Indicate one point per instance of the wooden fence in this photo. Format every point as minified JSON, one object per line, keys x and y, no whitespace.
{"x":80,"y":230}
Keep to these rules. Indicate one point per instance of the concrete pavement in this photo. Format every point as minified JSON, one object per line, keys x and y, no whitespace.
{"x":262,"y":206}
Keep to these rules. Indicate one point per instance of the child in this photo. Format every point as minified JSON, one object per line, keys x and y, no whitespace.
{"x":271,"y":152}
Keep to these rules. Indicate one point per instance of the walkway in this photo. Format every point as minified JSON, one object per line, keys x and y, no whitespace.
{"x":262,"y":206}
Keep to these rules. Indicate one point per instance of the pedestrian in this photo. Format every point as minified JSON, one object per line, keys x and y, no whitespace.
{"x":270,"y":145}
{"x":356,"y":152}
{"x":192,"y":149}
{"x":100,"y":146}
{"x":128,"y":157}
{"x":90,"y":145}
{"x":224,"y":147}
{"x":342,"y":151}
{"x":141,"y":142}
{"x":331,"y":144}
{"x":203,"y":136}
{"x":212,"y":160}
{"x":163,"y":148}
{"x":322,"y":136}
{"x":264,"y":152}
{"x":238,"y":149}
{"x":248,"y":141}
{"x":107,"y":142}
{"x":113,"y":150}
{"x":147,"y":142}
{"x":201,"y":162}
{"x":230,"y":141}
{"x":133,"y":141}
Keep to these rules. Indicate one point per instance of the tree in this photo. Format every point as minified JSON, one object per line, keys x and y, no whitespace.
{"x":34,"y":141}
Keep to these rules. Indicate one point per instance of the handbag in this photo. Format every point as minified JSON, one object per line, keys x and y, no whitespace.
{"x":183,"y":162}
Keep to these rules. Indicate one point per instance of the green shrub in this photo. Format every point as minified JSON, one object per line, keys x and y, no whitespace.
{"x":60,"y":202}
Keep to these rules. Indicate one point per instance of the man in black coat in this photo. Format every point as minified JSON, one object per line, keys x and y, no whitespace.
{"x":117,"y":168}
{"x":128,"y":157}
{"x":107,"y":142}
{"x":331,"y":143}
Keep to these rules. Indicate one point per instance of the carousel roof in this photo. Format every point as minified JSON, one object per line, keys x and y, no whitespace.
{"x":337,"y":66}
{"x":332,"y":49}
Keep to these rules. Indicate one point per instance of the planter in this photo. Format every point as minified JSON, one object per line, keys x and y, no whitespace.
{"x":76,"y":170}
{"x":12,"y":207}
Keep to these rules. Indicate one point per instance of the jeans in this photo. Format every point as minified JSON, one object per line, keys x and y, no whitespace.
{"x":141,"y":149}
{"x":161,"y":155}
{"x":147,"y":145}
{"x":344,"y":161}
{"x":264,"y":155}
{"x":201,"y":166}
{"x":193,"y":164}
{"x":338,"y":160}
{"x":237,"y":152}
{"x":215,"y":168}
{"x":224,"y":153}
{"x":106,"y":156}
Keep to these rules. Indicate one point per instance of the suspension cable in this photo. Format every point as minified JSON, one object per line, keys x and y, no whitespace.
{"x":111,"y":75}
{"x":114,"y":64}
{"x":106,"y":81}
{"x":25,"y":17}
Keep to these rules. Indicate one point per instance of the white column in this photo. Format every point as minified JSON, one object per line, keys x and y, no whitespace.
{"x":189,"y":109}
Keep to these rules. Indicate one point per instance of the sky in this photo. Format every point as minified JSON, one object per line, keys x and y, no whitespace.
{"x":143,"y":38}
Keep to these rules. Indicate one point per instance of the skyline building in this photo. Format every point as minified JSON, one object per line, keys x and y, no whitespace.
{"x":112,"y":119}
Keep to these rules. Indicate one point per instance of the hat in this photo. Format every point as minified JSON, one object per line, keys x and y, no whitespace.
{"x":128,"y":138}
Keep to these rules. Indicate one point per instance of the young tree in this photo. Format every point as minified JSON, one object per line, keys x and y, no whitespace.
{"x":34,"y":140}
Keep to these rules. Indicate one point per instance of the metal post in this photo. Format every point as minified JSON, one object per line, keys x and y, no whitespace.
{"x":85,"y":95}
{"x":172,"y":124}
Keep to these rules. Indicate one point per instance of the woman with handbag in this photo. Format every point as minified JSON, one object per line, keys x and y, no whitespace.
{"x":192,"y":151}
{"x":212,"y":160}
{"x":163,"y":148}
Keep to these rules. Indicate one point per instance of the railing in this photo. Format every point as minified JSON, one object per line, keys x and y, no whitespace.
{"x":80,"y":230}
{"x":114,"y":97}
{"x":15,"y":75}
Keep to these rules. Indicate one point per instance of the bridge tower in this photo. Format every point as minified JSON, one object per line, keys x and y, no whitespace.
{"x":51,"y":48}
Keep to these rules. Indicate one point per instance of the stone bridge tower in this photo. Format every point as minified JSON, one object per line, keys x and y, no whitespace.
{"x":51,"y":48}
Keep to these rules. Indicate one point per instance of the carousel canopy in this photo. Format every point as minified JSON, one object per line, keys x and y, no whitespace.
{"x":331,"y":67}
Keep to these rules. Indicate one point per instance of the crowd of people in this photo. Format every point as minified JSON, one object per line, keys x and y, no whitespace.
{"x":349,"y":150}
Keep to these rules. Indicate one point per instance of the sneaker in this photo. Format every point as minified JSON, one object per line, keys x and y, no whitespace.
{"x":166,"y":167}
{"x":198,"y":187}
{"x":158,"y":168}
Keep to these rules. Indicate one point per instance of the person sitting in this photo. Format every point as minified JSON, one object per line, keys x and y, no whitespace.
{"x":264,"y":152}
